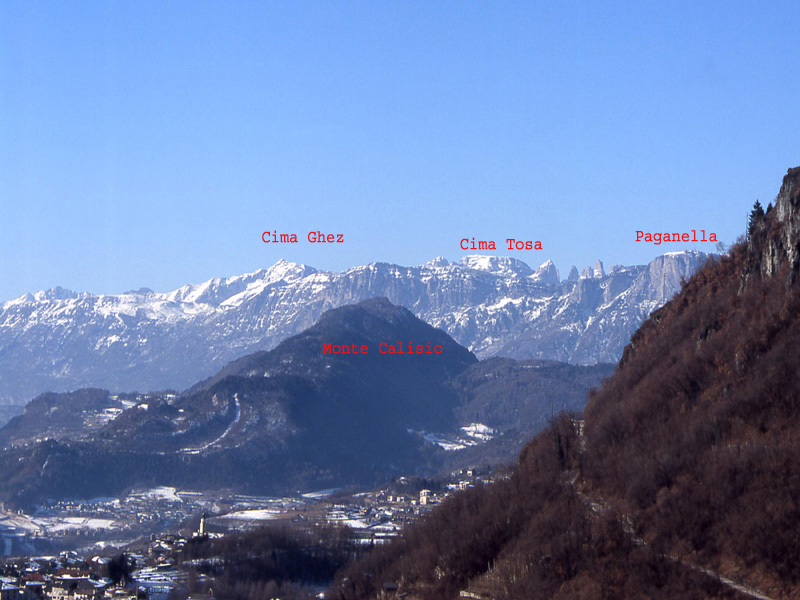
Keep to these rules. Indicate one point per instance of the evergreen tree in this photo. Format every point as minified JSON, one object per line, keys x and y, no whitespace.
{"x":120,"y":569}
{"x":755,"y":216}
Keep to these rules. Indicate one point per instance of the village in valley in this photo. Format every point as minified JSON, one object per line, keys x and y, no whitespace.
{"x":74,"y":549}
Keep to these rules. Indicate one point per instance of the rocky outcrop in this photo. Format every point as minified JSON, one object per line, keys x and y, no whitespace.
{"x":778,"y":235}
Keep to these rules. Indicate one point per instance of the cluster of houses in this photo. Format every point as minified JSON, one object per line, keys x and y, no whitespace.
{"x":373,"y":517}
{"x":151,"y":574}
{"x":58,"y":578}
{"x":376,"y":517}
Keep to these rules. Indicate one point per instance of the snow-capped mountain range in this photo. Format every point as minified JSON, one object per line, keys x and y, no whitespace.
{"x":59,"y":340}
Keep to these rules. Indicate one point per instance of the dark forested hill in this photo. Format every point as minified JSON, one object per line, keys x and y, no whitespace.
{"x":296,"y":417}
{"x":685,"y":479}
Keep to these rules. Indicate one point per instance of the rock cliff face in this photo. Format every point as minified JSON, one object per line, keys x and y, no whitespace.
{"x":60,"y":340}
{"x":782,"y":245}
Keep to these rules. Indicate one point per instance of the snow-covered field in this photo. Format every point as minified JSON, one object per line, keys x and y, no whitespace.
{"x":168,"y":494}
{"x":471,"y":435}
{"x":63,"y":524}
{"x":256,"y":514}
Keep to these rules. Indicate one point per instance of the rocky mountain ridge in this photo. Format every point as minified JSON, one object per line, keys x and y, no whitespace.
{"x":293,"y":418}
{"x":58,"y":340}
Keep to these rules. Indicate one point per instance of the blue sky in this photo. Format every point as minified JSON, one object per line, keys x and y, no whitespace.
{"x":151,"y":144}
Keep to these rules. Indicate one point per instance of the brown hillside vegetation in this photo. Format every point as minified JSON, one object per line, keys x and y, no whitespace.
{"x":690,"y":461}
{"x":529,"y":536}
{"x":696,"y":434}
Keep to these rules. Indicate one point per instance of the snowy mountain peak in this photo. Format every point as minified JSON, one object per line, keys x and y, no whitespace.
{"x":599,"y":272}
{"x":23,"y":299}
{"x":573,"y":274}
{"x":497,"y":265}
{"x":287,"y":271}
{"x":211,"y":292}
{"x":56,"y":293}
{"x":547,"y":274}
{"x":219,"y":291}
{"x":595,"y":272}
{"x":143,"y":291}
{"x":439,"y":261}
